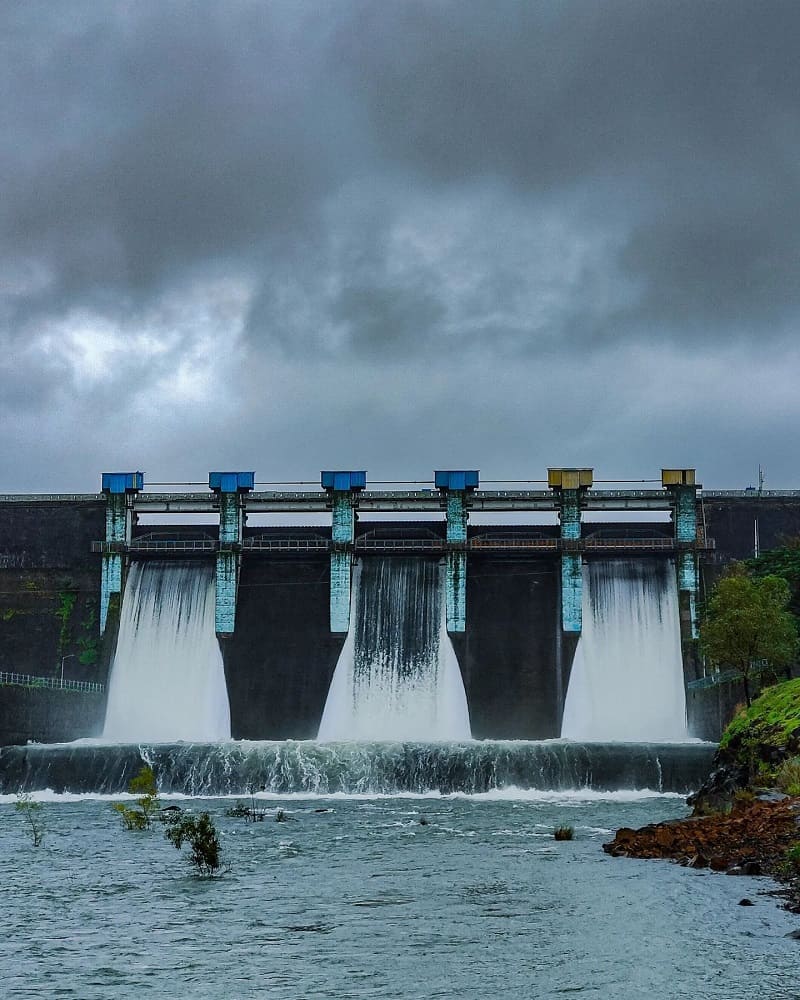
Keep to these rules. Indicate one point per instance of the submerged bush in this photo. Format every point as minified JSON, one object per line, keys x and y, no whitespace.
{"x":132,"y":819}
{"x":32,"y":813}
{"x":250,"y":814}
{"x":140,"y":817}
{"x":201,"y":836}
{"x":563,"y":833}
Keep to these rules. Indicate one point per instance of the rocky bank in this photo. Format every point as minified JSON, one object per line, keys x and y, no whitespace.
{"x":746,"y":816}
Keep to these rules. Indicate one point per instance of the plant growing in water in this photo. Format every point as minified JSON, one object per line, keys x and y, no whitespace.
{"x":32,"y":812}
{"x":143,"y":786}
{"x":251,"y":813}
{"x":201,"y":836}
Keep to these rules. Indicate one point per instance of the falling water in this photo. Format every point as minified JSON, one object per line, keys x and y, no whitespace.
{"x":627,"y":676}
{"x":397,"y":677}
{"x":167,"y":680}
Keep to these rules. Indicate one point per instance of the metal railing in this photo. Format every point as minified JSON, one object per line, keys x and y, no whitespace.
{"x":727,"y":676}
{"x":510,"y":543}
{"x":32,"y":680}
{"x":157,"y":545}
{"x":400,"y":545}
{"x":286,"y":544}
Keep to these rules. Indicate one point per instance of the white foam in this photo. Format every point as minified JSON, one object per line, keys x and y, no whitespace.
{"x":167,"y":680}
{"x":627,"y":676}
{"x":397,"y":677}
{"x":575,"y":796}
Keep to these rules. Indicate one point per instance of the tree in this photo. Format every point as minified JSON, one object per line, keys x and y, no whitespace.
{"x":31,"y":811}
{"x":144,"y":787}
{"x":784,"y":562}
{"x":201,"y":836}
{"x":747,"y":623}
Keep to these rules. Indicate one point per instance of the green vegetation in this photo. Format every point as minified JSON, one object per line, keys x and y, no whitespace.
{"x":32,"y":813}
{"x":201,"y":836}
{"x":250,"y":814}
{"x":792,"y":860}
{"x":764,"y":739}
{"x":89,"y":641}
{"x":787,"y":776}
{"x":66,"y":605}
{"x":785,"y":563}
{"x":563,"y":833}
{"x":773,"y":719}
{"x":147,"y":804}
{"x":747,"y":624}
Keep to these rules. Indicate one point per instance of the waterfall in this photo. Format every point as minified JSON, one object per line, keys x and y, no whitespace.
{"x":397,"y":677}
{"x":310,"y":768}
{"x":167,"y":680}
{"x":627,"y":675}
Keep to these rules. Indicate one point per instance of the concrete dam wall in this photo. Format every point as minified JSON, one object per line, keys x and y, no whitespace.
{"x":514,"y":658}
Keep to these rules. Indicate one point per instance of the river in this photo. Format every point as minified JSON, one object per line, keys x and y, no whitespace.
{"x":363,"y":900}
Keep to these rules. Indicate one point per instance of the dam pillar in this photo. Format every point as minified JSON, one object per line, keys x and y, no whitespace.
{"x":570,"y":484}
{"x":681,"y":484}
{"x":455,"y":486}
{"x":230,"y":488}
{"x":342,"y":489}
{"x":119,"y":488}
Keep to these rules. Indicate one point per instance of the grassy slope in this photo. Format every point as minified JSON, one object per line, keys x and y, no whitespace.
{"x":766,"y":734}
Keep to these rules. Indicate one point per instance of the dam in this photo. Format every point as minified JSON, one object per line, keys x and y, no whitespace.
{"x":471,"y":627}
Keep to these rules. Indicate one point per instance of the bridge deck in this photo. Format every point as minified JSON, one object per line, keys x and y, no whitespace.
{"x":399,"y":546}
{"x":408,"y":501}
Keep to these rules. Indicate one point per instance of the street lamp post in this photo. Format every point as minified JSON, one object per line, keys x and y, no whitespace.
{"x":69,"y":656}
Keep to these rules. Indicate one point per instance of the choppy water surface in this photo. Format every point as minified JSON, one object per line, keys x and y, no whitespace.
{"x":364,"y":901}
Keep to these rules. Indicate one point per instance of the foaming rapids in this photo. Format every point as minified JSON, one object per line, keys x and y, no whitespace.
{"x":168,"y":680}
{"x":310,"y":768}
{"x":397,"y":677}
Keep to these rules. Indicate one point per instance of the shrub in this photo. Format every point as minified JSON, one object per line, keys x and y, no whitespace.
{"x":791,"y":865}
{"x":32,"y":812}
{"x":143,"y":786}
{"x":238,"y":811}
{"x":787,"y":776}
{"x":563,"y":833}
{"x":250,"y":814}
{"x":201,"y":836}
{"x":132,"y":819}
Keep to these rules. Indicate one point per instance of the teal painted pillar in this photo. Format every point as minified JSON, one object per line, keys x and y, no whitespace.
{"x":231,"y":488}
{"x":571,"y":562}
{"x":117,"y":533}
{"x":342,"y":488}
{"x":456,"y":581}
{"x":118,"y":488}
{"x":455,"y":486}
{"x":231,"y":523}
{"x":685,"y":523}
{"x":342,"y":537}
{"x":570,"y":485}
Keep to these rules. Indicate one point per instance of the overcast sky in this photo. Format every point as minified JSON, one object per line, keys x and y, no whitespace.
{"x":399,"y":236}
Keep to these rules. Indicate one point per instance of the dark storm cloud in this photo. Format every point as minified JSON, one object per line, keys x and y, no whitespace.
{"x":153,"y":138}
{"x":471,"y":187}
{"x":145,"y":140}
{"x":682,"y":117}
